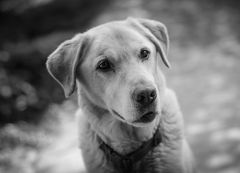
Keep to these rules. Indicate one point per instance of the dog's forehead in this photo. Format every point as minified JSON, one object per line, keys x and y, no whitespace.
{"x":115,"y":34}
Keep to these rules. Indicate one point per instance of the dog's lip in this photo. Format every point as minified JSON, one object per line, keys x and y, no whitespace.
{"x":116,"y":113}
{"x":147,"y":117}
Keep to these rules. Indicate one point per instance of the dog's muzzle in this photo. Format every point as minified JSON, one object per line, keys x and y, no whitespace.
{"x":144,"y":100}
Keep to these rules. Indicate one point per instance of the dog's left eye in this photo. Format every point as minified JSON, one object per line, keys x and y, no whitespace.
{"x":144,"y":54}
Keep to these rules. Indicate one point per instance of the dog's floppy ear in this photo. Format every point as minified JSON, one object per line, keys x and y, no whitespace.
{"x":156,"y":32}
{"x":62,"y":63}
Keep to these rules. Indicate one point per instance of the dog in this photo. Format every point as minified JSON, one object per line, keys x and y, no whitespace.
{"x":129,"y":120}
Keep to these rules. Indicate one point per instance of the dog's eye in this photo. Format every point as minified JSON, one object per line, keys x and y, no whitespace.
{"x":104,"y":65}
{"x":144,"y":54}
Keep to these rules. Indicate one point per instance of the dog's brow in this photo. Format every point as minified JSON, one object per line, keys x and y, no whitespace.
{"x":102,"y":51}
{"x":105,"y":50}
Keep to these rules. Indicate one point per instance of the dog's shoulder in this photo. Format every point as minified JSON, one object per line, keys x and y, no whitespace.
{"x":83,"y":126}
{"x":172,"y":119}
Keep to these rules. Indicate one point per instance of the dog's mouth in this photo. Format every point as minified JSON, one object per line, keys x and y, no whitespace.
{"x":146,"y":118}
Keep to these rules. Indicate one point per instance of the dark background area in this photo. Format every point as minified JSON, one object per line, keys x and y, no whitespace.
{"x":37,"y":125}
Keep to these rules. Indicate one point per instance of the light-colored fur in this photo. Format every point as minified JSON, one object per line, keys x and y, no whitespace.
{"x":74,"y":63}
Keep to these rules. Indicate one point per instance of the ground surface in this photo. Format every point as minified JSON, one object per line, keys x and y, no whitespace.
{"x":205,"y":58}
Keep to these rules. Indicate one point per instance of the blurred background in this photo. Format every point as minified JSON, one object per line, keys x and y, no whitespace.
{"x":38,"y":132}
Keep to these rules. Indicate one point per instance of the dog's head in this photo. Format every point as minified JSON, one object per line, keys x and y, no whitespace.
{"x":117,"y":67}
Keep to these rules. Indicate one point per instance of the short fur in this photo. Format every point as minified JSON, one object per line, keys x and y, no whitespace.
{"x":102,"y":94}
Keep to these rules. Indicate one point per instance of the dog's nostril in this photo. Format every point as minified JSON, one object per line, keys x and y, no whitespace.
{"x":141,"y":97}
{"x":153,"y":94}
{"x":145,"y":97}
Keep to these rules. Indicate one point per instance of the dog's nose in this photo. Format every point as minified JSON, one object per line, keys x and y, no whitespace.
{"x":144,"y":97}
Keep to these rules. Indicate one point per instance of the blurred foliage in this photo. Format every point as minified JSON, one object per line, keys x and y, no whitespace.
{"x":26,"y":19}
{"x":29,"y":31}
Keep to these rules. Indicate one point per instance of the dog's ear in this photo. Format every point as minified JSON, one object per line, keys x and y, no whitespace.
{"x":156,"y":32}
{"x":63,"y":62}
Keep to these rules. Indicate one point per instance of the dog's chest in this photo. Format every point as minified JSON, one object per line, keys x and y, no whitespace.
{"x":154,"y":162}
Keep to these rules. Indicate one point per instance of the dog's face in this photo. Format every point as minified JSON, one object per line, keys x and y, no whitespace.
{"x":117,"y":66}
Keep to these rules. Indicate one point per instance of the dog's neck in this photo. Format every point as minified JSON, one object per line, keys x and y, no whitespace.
{"x":121,"y":137}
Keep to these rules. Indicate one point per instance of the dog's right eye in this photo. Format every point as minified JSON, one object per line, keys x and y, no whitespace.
{"x":104,"y":65}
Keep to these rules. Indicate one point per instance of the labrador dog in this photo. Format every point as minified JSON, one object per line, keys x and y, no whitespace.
{"x":129,"y":120}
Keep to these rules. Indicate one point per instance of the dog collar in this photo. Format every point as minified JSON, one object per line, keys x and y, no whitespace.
{"x":125,"y":162}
